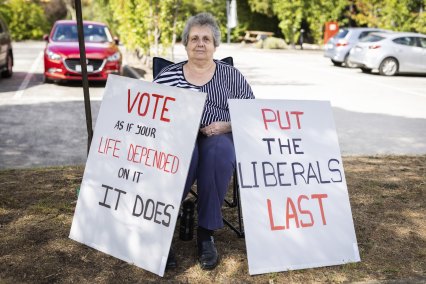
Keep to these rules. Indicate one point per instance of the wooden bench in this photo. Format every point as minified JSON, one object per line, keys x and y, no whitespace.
{"x":254,"y":36}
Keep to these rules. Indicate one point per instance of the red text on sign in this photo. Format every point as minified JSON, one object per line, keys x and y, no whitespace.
{"x":153,"y":158}
{"x":297,"y":216}
{"x":147,"y":104}
{"x":109,"y":146}
{"x":275,"y":117}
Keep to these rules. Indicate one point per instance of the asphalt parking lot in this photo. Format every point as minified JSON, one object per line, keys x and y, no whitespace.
{"x":44,"y":124}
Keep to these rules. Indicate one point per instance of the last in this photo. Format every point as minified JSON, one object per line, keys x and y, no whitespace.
{"x":296,"y":214}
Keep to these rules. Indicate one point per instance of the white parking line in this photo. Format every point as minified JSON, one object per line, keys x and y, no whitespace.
{"x":28,"y":77}
{"x":414,"y":93}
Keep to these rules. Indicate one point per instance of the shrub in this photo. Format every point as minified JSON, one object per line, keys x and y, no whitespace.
{"x":27,"y":21}
{"x":271,"y":43}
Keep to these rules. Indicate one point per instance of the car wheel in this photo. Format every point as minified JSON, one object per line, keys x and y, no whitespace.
{"x":348,"y":63}
{"x":388,"y":67}
{"x":9,"y":65}
{"x":336,"y":63}
{"x":365,"y":70}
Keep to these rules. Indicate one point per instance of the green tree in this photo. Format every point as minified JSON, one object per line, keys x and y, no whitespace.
{"x":291,"y":14}
{"x":5,"y":12}
{"x":152,"y":27}
{"x":419,"y":23}
{"x":321,"y":11}
{"x":397,"y":15}
{"x":262,"y":6}
{"x":26,"y":20}
{"x":368,"y":12}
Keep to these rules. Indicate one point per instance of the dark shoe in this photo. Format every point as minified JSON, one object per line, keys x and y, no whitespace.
{"x":207,"y":254}
{"x":171,"y":260}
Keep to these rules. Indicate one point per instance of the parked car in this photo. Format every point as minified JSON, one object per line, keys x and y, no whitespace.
{"x":337,"y":48}
{"x":62,"y":53}
{"x":6,"y":52}
{"x":391,"y":53}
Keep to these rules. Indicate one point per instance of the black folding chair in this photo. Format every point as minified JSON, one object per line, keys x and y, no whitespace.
{"x":159,"y":64}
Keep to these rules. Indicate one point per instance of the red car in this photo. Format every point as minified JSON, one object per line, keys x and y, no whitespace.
{"x":62,"y":53}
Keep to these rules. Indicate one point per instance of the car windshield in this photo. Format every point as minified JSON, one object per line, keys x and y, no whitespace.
{"x":342,"y":33}
{"x":371,"y":38}
{"x":92,"y":33}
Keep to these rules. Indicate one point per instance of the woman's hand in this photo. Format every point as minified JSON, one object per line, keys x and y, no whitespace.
{"x":218,"y":127}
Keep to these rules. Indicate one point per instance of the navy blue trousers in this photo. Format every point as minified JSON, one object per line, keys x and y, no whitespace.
{"x":212,"y":166}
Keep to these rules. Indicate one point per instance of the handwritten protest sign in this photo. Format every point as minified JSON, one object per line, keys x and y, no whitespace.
{"x":293,"y":190}
{"x":136,"y":170}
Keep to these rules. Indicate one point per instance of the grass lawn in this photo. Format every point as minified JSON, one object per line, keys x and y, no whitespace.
{"x":388,"y":199}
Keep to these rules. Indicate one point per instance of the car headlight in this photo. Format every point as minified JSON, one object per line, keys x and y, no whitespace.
{"x":53,"y":56}
{"x":115,"y":57}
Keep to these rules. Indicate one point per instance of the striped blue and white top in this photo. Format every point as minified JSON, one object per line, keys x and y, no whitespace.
{"x":227,"y":83}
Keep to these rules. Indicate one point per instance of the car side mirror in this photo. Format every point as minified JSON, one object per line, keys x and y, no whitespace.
{"x":116,"y":40}
{"x":46,"y":37}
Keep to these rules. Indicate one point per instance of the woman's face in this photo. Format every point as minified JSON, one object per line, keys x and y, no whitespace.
{"x":200,"y":43}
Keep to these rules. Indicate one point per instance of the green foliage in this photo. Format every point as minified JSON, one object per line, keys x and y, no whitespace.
{"x":152,"y":26}
{"x":142,"y":24}
{"x":397,"y":15}
{"x":322,"y":11}
{"x":262,"y":6}
{"x":129,"y":16}
{"x":367,"y":12}
{"x":419,"y":23}
{"x":5,"y":12}
{"x":290,"y":14}
{"x":26,"y":20}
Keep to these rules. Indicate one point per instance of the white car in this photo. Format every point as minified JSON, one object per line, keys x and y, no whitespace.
{"x":391,"y":53}
{"x":338,"y":47}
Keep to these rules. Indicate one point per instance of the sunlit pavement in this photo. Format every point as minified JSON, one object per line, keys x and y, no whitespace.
{"x":44,"y":124}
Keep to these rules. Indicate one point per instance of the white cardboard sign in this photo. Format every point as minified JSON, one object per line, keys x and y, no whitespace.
{"x":294,"y":196}
{"x":136,"y":170}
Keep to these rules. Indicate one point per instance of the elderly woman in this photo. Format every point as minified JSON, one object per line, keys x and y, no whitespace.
{"x":213,"y":159}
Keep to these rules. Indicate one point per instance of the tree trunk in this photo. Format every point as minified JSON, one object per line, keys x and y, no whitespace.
{"x":70,"y":8}
{"x":172,"y":47}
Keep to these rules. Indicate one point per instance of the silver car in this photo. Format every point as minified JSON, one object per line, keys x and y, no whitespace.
{"x":338,"y":47}
{"x":391,"y":53}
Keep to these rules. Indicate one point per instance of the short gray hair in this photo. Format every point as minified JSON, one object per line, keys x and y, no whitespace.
{"x":202,"y":19}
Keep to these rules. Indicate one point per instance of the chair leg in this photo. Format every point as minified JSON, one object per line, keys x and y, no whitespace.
{"x":235,"y":203}
{"x":240,"y":230}
{"x":232,"y":204}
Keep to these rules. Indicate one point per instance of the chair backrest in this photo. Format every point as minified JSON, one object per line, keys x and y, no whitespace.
{"x":159,"y":63}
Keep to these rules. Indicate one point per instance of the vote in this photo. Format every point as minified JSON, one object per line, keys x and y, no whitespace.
{"x":300,"y":216}
{"x":148,"y":104}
